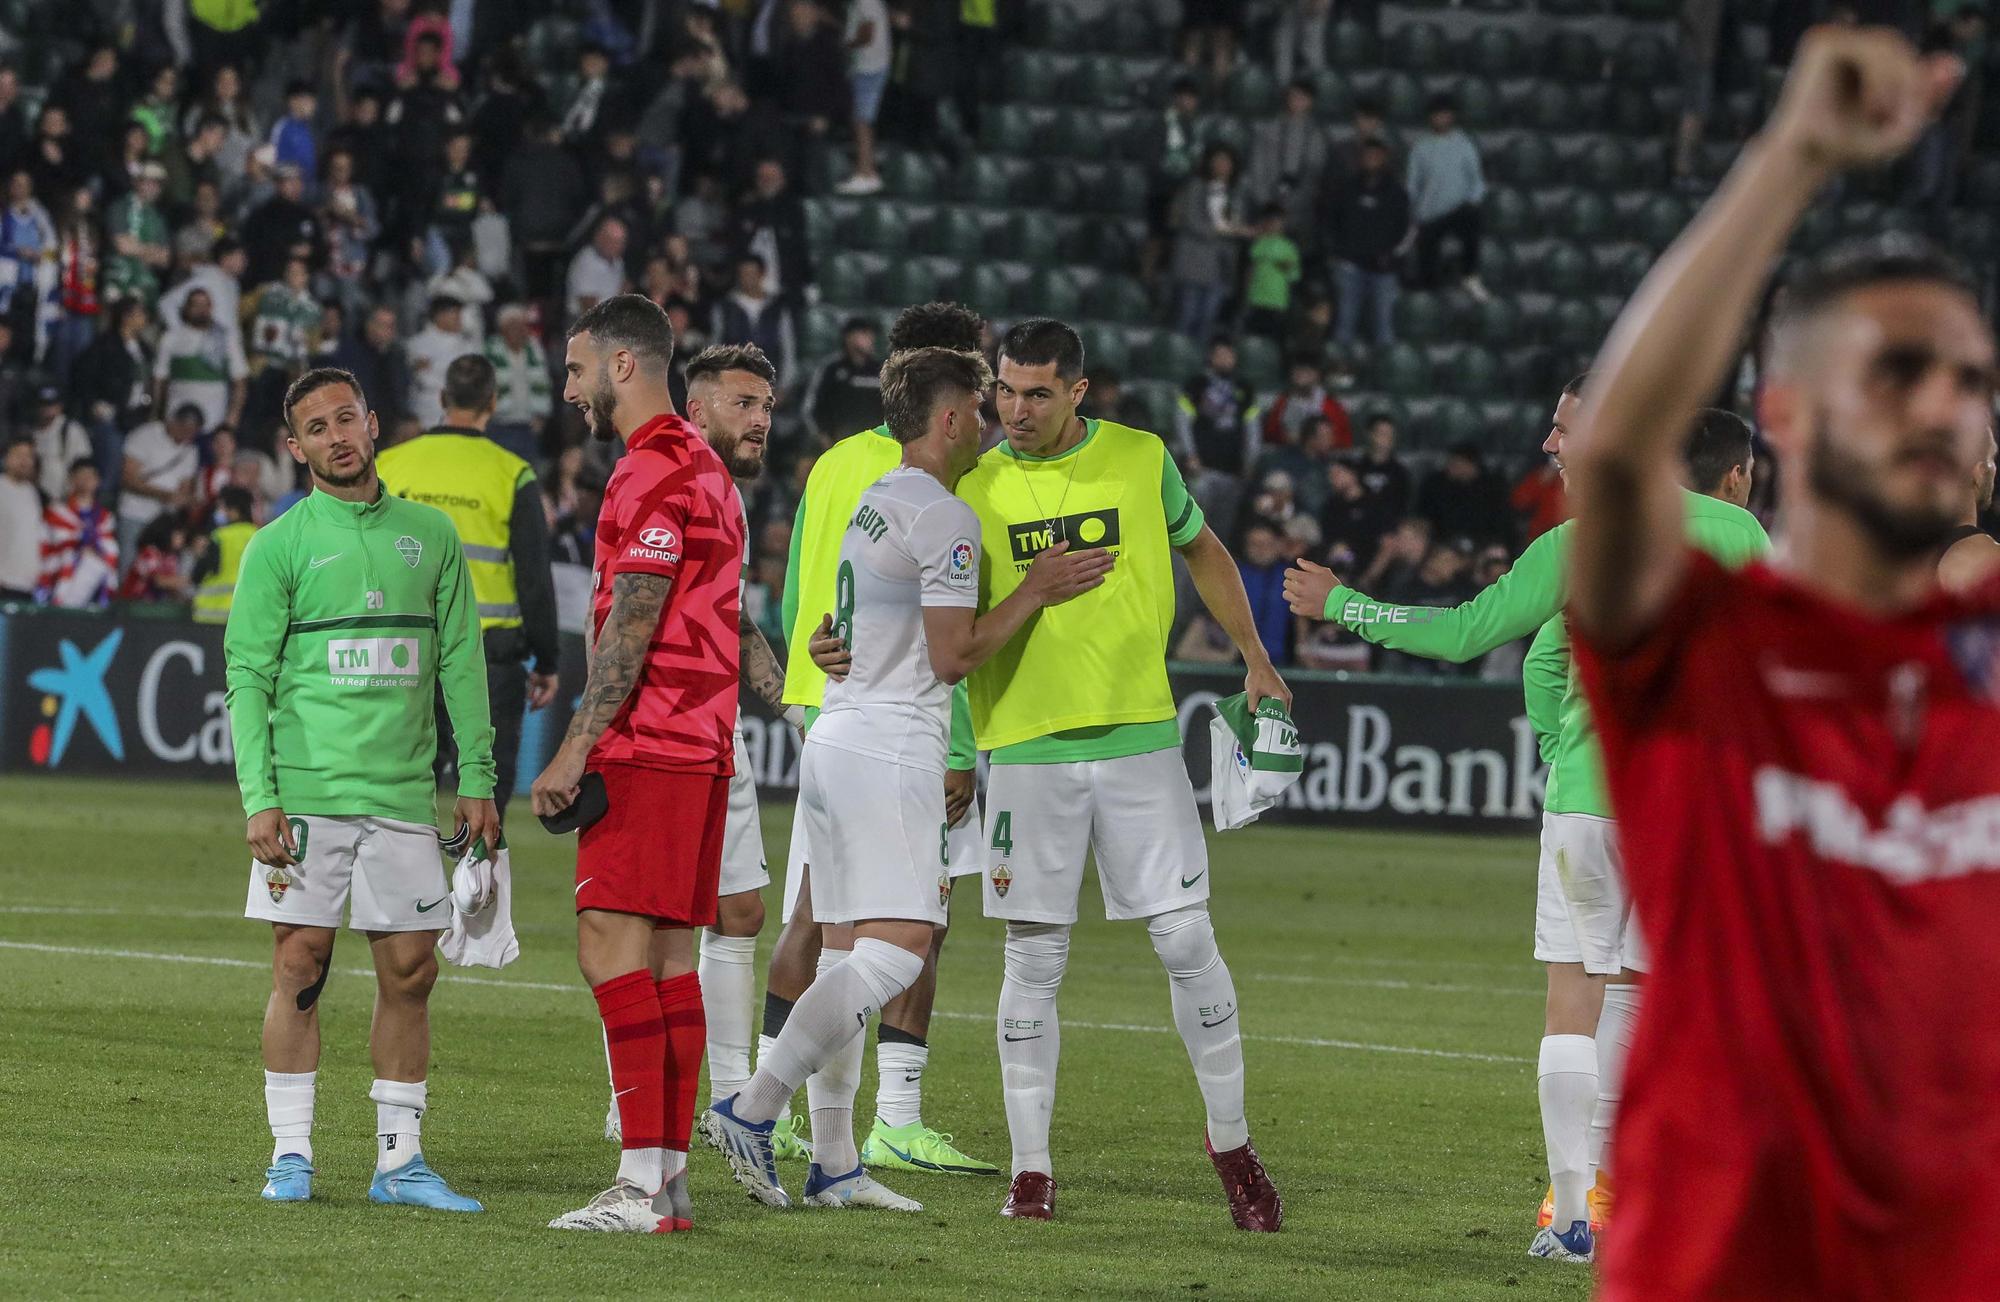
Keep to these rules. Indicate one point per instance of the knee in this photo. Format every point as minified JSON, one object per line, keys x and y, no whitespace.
{"x":741,"y":914}
{"x":1037,"y":954}
{"x":1185,"y":941}
{"x":413,"y":982}
{"x":937,"y":942}
{"x":300,"y":965}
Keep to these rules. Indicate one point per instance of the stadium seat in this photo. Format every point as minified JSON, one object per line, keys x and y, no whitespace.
{"x":1053,"y":291}
{"x":1631,"y":111}
{"x":1421,"y":317}
{"x":1497,"y":266}
{"x":1642,"y":58}
{"x":1103,"y":347}
{"x":1603,"y":165}
{"x":1553,"y":107}
{"x":1496,"y":52}
{"x":989,"y":287}
{"x":992,"y":182}
{"x":1529,"y":160}
{"x":1620,"y":267}
{"x":1157,"y":398}
{"x":1466,"y":369}
{"x":820,"y":225}
{"x":1664,"y":217}
{"x":846,"y":277}
{"x":1007,"y":129}
{"x":1259,"y":362}
{"x":1572,"y":54}
{"x":1571,"y":8}
{"x":878,"y":226}
{"x":956,"y":232}
{"x":907,"y":174}
{"x":1114,"y":242}
{"x":1478,"y":101}
{"x":1109,"y":81}
{"x":1420,"y":47}
{"x":1170,"y":356}
{"x":1129,"y":29}
{"x":1564,"y":269}
{"x":1401,"y":369}
{"x":1509,"y":216}
{"x":1574,"y":325}
{"x":1025,"y":236}
{"x":907,"y":280}
{"x":1122,"y":299}
{"x":1497,"y":322}
{"x":1350,"y":45}
{"x":1403,"y":98}
{"x":1457,"y":421}
{"x":1033,"y":76}
{"x":1252,"y":91}
{"x":1333,"y":95}
{"x":819,"y":334}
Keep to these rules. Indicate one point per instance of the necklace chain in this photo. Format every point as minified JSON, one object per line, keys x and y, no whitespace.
{"x":1049,"y":521}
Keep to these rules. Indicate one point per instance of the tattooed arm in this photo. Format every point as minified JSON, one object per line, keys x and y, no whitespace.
{"x":617,"y":657}
{"x":763,"y":672}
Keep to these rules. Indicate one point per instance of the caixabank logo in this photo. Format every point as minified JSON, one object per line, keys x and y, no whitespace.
{"x":1031,"y":538}
{"x":75,"y":691}
{"x":86,"y":696}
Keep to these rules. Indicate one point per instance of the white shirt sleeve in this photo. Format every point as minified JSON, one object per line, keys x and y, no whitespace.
{"x":944,"y":540}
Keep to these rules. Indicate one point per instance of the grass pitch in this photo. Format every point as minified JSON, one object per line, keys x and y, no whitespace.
{"x":1390,"y":1011}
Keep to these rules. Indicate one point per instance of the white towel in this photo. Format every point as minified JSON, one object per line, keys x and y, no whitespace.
{"x":482,"y":911}
{"x":1252,"y":759}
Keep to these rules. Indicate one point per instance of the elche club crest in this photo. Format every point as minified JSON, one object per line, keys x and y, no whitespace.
{"x":944,"y":890}
{"x":1003,"y":880}
{"x":410,"y":550}
{"x":277,"y":881}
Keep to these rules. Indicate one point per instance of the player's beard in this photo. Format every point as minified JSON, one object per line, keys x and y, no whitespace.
{"x":1852,"y":485}
{"x":603,"y":405}
{"x":351,"y":478}
{"x":742,"y":462}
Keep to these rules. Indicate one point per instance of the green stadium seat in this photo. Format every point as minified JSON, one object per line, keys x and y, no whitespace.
{"x":1052,"y":291}
{"x":820,"y":225}
{"x":1007,"y":129}
{"x":1025,"y":236}
{"x":1130,"y":30}
{"x":956,"y":232}
{"x":819,"y":335}
{"x":1109,"y":81}
{"x":846,"y":278}
{"x":1645,"y":10}
{"x":1498,"y":323}
{"x":1103,"y":346}
{"x":1496,"y":52}
{"x":1603,"y":166}
{"x":1663,"y":217}
{"x":1350,"y":45}
{"x":1565,"y":270}
{"x":906,"y":281}
{"x":878,"y":226}
{"x":1420,"y":47}
{"x":988,"y":287}
{"x":1421,"y":316}
{"x":1518,"y":96}
{"x":1112,"y":241}
{"x":1497,"y":265}
{"x":1466,"y":369}
{"x":1509,"y":215}
{"x":910,"y":175}
{"x":1033,"y":76}
{"x":1529,"y":372}
{"x":1529,"y":160}
{"x":1571,"y":8}
{"x":990,"y":182}
{"x":1122,"y":299}
{"x":1643,"y":58}
{"x":1589,"y":216}
{"x":1333,"y":95}
{"x":1573,"y":54}
{"x":1225,"y":129}
{"x":1403,"y":98}
{"x":1259,"y":362}
{"x":1058,"y":27}
{"x":1575,"y":325}
{"x":1171,"y":356}
{"x":1620,"y":267}
{"x":1127,"y":188}
{"x":1457,"y":421}
{"x":1554,"y":108}
{"x":1402,"y":369}
{"x":1631,"y":111}
{"x":1478,"y":101}
{"x":1252,"y":91}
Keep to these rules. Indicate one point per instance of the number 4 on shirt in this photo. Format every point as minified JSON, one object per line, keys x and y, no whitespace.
{"x":1003,"y":831}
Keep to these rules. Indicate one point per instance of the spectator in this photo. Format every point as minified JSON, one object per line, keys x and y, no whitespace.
{"x":348,"y":215}
{"x":161,"y":463}
{"x":1207,"y":220}
{"x":20,"y":523}
{"x":1274,"y":269}
{"x":1309,"y":332}
{"x":111,"y":387}
{"x":14,"y":134}
{"x":1699,"y":32}
{"x":242,"y":129}
{"x":1384,"y":477}
{"x":121,"y":172}
{"x":157,"y":115}
{"x":218,"y":471}
{"x":1351,"y":520}
{"x":429,"y":353}
{"x":59,"y":441}
{"x":196,"y":164}
{"x":73,"y":308}
{"x":28,"y":245}
{"x":499,"y":124}
{"x":93,"y":104}
{"x":455,"y":203}
{"x":726,"y":133}
{"x":542,"y":191}
{"x":1173,"y":147}
{"x":219,"y":555}
{"x":1369,"y":230}
{"x":585,"y":110}
{"x":283,"y":226}
{"x":1303,"y":401}
{"x":156,"y":571}
{"x":771,"y":223}
{"x":295,"y":136}
{"x":1446,"y":188}
{"x":1287,"y":158}
{"x":1262,"y":566}
{"x":867,"y":77}
{"x":1215,"y":413}
{"x":80,"y":554}
{"x":521,"y":371}
{"x":1399,"y":553}
{"x":426,"y":108}
{"x":372,"y":142}
{"x":846,"y":391}
{"x":1443,"y":579}
{"x":201,"y":363}
{"x":203,"y":226}
{"x":376,"y":359}
{"x":1300,"y":41}
{"x":1464,"y":497}
{"x":574,"y":541}
{"x":1211,"y":33}
{"x":1307,"y":459}
{"x":56,"y":161}
{"x":465,"y":283}
{"x":221,"y":279}
{"x":598,"y":270}
{"x":813,"y":93}
{"x":752,"y":314}
{"x":284,"y":325}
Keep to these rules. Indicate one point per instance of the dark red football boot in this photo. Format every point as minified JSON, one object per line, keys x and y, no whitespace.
{"x":1253,"y":1200}
{"x":1033,"y":1197}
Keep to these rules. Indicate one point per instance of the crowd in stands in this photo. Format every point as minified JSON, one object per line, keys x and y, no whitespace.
{"x":196,"y":213}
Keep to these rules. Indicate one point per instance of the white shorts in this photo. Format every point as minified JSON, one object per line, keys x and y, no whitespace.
{"x":743,"y":867}
{"x":878,"y":838}
{"x":1137,"y":814}
{"x":963,"y":848}
{"x":392,"y":871}
{"x":1582,"y":914}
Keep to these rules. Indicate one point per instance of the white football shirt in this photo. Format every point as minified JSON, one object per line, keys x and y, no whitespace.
{"x":910,"y":544}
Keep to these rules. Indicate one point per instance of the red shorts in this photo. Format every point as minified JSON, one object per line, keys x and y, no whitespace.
{"x":657,"y":851}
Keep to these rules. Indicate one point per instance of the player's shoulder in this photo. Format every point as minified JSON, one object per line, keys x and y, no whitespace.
{"x":274,"y":543}
{"x":871,"y":452}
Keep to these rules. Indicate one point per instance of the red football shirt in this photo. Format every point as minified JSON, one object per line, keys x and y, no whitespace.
{"x":1809,"y":806}
{"x":671,"y":508}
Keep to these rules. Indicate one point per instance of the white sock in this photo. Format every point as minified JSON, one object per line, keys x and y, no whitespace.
{"x":1568,"y":1091}
{"x":644,"y":1167}
{"x":674,"y":1162}
{"x":1030,"y":1038}
{"x":764,"y":1043}
{"x":288,"y":1104}
{"x":1614,"y":1040}
{"x":1204,"y":1000}
{"x":834,"y":1010}
{"x":899,"y":1083}
{"x":399,"y":1115}
{"x":830,"y":1095}
{"x":728,"y":972}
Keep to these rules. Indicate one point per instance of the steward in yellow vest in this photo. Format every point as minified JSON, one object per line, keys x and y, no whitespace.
{"x":215,"y":573}
{"x":493,"y":500}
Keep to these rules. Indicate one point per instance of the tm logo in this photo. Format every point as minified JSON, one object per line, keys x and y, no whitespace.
{"x":76,"y":688}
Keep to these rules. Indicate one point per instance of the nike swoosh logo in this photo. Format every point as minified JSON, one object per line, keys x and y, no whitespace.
{"x":318,"y":561}
{"x":1016,"y":1039}
{"x":585,"y":882}
{"x":1187,"y":883}
{"x":911,"y":1080}
{"x":1220,"y":1020}
{"x":426,"y":908}
{"x":622,"y":1093}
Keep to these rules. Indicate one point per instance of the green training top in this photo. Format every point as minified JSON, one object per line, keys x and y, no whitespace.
{"x":347,"y":617}
{"x":1521,"y":601}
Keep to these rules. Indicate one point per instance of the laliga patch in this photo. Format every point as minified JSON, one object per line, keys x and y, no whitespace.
{"x":1003,"y":881}
{"x":1974,"y":645}
{"x":963,"y":571}
{"x":277,"y":881}
{"x":410,"y":550}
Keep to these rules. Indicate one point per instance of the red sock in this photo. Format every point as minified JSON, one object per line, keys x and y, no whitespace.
{"x":631,"y":1012}
{"x":686,"y":1042}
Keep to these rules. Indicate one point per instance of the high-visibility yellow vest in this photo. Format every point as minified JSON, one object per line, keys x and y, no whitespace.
{"x":1101,"y":658}
{"x":833,"y":489}
{"x":212,"y":599}
{"x":224,"y":15}
{"x":473,"y":480}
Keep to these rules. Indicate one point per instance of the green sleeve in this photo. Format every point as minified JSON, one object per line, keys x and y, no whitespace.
{"x":1184,"y":517}
{"x":462,"y":674}
{"x":788,"y":605}
{"x":1519,"y":602}
{"x":1544,"y":678}
{"x":253,"y":645}
{"x":964,"y":751}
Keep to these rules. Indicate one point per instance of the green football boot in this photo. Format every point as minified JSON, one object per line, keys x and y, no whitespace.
{"x":788,"y":1143}
{"x":916,"y":1147}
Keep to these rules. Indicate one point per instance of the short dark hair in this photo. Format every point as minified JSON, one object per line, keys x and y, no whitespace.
{"x":236,"y":499}
{"x":319,"y":377}
{"x":715,"y":360}
{"x":299,"y":86}
{"x":1041,"y":340}
{"x":1304,"y":86}
{"x":1718,"y":443}
{"x":1443,"y":102}
{"x":188,"y":411}
{"x":632,"y":322}
{"x":1819,"y":282}
{"x":80,"y":463}
{"x":1576,"y":385}
{"x":915,"y":380}
{"x":937,"y":325}
{"x":470,"y":383}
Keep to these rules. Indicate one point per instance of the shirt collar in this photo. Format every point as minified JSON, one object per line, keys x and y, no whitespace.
{"x":664,"y":428}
